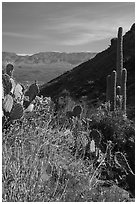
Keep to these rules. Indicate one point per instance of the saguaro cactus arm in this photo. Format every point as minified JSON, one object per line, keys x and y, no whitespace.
{"x":123,"y":89}
{"x":113,"y":91}
{"x":108,"y":91}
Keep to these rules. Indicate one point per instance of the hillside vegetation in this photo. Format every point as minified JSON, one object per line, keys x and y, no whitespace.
{"x":49,"y":158}
{"x":68,"y":149}
{"x":89,"y":78}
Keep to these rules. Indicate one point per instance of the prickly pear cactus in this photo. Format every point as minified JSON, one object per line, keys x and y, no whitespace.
{"x":32,"y":92}
{"x":16,"y":112}
{"x":96,"y":136}
{"x":77,"y":110}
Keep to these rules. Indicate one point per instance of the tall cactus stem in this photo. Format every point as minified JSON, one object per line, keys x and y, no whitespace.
{"x":118,"y":90}
{"x":119,"y":61}
{"x":123,"y":89}
{"x":113,"y":91}
{"x":119,"y":97}
{"x":108,"y":91}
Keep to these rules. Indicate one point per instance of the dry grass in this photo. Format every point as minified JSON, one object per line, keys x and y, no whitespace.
{"x":39,"y":165}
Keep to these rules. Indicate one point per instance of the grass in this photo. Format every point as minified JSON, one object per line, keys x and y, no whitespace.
{"x":44,"y":158}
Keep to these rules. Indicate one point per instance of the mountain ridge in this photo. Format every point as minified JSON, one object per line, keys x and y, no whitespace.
{"x":43,"y":66}
{"x":89,"y":78}
{"x":48,"y":57}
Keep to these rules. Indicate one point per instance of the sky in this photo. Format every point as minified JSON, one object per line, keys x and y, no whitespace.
{"x":32,"y":27}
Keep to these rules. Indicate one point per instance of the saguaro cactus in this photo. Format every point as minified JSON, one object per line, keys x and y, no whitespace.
{"x":108,"y":94}
{"x":119,"y":62}
{"x":113,"y":91}
{"x":123,"y":89}
{"x":116,"y":83}
{"x":118,"y":90}
{"x":117,"y":94}
{"x":118,"y":97}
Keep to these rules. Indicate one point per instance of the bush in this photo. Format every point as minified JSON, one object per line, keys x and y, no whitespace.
{"x":43,"y":156}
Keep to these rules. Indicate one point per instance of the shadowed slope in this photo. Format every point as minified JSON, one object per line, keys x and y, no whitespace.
{"x":89,"y":78}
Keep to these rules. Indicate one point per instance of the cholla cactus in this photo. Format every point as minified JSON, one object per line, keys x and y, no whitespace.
{"x":123,"y":89}
{"x":119,"y":62}
{"x":113,"y":91}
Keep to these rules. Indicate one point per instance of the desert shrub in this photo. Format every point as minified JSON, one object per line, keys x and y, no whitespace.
{"x":43,"y":157}
{"x":117,"y":129}
{"x":113,"y":126}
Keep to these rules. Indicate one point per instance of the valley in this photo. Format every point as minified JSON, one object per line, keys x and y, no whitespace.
{"x":43,"y":66}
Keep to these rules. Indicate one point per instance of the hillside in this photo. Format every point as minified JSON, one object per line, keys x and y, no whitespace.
{"x":44,"y":66}
{"x":89,"y":78}
{"x":75,"y":155}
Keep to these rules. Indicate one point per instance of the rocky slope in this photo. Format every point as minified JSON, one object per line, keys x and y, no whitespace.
{"x":89,"y":78}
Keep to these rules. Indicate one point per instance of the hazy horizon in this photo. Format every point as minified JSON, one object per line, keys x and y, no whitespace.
{"x":33,"y":27}
{"x":24,"y":54}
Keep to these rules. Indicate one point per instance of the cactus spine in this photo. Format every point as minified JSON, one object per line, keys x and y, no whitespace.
{"x":123,"y":89}
{"x":119,"y":62}
{"x":113,"y":91}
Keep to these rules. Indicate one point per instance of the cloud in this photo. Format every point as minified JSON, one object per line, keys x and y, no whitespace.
{"x":70,"y":30}
{"x":65,"y":25}
{"x":70,"y":25}
{"x":79,"y":32}
{"x":84,"y":38}
{"x":79,"y":40}
{"x":21,"y":35}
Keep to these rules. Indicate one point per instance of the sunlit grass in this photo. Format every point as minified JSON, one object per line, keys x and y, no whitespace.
{"x":43,"y":160}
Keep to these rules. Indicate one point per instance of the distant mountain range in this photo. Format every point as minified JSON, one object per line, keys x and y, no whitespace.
{"x":48,"y":57}
{"x":44,"y":66}
{"x":89,"y":78}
